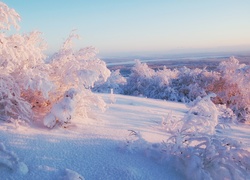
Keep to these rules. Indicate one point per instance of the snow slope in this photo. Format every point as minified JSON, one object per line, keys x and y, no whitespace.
{"x":96,"y":148}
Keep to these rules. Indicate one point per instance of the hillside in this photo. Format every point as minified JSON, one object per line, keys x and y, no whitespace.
{"x":98,"y":147}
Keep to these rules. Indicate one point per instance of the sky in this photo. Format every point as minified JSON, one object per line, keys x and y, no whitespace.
{"x":139,"y":26}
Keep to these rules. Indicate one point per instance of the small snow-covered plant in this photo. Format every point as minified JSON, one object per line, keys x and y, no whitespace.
{"x":134,"y":143}
{"x":62,"y":111}
{"x":112,"y":96}
{"x":170,"y":124}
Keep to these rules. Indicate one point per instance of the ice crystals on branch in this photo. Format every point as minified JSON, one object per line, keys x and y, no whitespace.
{"x":8,"y":17}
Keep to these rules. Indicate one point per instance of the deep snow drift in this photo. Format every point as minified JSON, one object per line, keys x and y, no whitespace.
{"x":98,"y":147}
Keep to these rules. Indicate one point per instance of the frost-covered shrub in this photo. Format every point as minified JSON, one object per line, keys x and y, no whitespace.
{"x":192,"y":83}
{"x":12,"y":105}
{"x":196,"y":150}
{"x":208,"y":157}
{"x":232,"y":88}
{"x":139,"y":80}
{"x":70,"y":68}
{"x":183,"y":85}
{"x":193,"y":149}
{"x":115,"y":81}
{"x":202,"y":116}
{"x":230,"y":84}
{"x":226,"y":116}
{"x":160,"y":86}
{"x":79,"y":70}
{"x":22,"y":68}
{"x":31,"y":88}
{"x":134,"y":142}
{"x":153,"y":84}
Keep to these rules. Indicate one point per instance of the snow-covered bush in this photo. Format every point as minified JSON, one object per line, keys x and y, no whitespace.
{"x":230,"y":84}
{"x":12,"y":105}
{"x":193,"y":148}
{"x":182,"y":85}
{"x":226,"y":116}
{"x":21,"y":65}
{"x":139,"y":80}
{"x":232,"y":88}
{"x":150,"y":83}
{"x":115,"y":81}
{"x":202,"y":117}
{"x":79,"y":70}
{"x":70,"y":68}
{"x":192,"y":83}
{"x":33,"y":89}
{"x":208,"y":157}
{"x":197,"y":151}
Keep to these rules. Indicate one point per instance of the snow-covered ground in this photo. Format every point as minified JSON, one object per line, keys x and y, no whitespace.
{"x":97,"y":147}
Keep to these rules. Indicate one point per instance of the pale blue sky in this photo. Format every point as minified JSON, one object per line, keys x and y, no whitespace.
{"x":138,"y":26}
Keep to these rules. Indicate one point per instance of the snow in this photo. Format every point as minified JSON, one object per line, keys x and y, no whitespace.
{"x":101,"y":146}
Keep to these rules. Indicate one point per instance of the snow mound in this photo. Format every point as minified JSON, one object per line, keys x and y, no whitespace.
{"x":10,"y":161}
